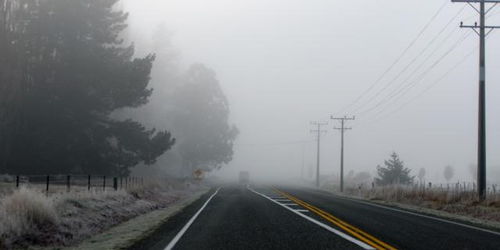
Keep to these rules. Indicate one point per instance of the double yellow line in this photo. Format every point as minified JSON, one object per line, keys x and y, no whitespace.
{"x":354,"y":231}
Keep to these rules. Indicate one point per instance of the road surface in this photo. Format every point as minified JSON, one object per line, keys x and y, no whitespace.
{"x":241,"y":217}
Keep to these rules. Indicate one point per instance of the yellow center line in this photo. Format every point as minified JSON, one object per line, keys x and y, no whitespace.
{"x":354,"y":231}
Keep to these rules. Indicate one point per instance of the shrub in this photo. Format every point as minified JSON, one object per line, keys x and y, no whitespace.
{"x":23,"y":212}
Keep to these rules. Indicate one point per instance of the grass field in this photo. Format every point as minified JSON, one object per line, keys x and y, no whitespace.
{"x":31,"y":217}
{"x":453,"y":200}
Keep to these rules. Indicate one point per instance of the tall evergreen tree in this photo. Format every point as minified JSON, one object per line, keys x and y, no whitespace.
{"x":74,"y":73}
{"x":448,"y":172}
{"x":394,"y":172}
{"x":200,"y":118}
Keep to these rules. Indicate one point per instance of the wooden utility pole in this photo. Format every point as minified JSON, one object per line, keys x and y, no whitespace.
{"x":342,"y":129}
{"x":481,"y":31}
{"x":318,"y":141}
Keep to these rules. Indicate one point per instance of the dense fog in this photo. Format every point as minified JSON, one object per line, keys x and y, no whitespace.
{"x":283,"y":64}
{"x":235,"y":86}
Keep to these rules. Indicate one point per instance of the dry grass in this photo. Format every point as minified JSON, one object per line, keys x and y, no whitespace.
{"x":452,"y":200}
{"x":25,"y":212}
{"x":30,"y":217}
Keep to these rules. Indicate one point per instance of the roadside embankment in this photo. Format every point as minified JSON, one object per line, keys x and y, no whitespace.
{"x":455,"y":204}
{"x":31,"y":219}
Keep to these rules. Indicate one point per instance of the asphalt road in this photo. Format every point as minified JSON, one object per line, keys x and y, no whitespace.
{"x":239,"y":217}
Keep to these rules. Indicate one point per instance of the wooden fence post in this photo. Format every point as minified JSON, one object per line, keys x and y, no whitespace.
{"x":88,"y":183}
{"x":115,"y":183}
{"x":17,"y":181}
{"x":47,"y":186}
{"x":68,"y":182}
{"x":104,"y":183}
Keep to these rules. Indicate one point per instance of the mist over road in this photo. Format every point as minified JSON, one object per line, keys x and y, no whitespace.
{"x":264,"y":217}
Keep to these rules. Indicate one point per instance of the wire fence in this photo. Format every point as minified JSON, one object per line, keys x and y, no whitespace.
{"x":456,"y":191}
{"x":58,"y":183}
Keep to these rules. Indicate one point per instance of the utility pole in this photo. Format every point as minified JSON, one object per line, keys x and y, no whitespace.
{"x":302,"y":169}
{"x":481,"y":31}
{"x":342,"y":129}
{"x":318,"y":139}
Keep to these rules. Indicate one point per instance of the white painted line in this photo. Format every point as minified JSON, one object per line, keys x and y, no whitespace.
{"x":289,"y":204}
{"x":301,"y":210}
{"x":333,"y":230}
{"x":424,"y":216}
{"x":188,"y":224}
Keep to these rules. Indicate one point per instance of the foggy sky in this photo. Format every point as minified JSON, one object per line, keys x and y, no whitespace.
{"x":284,"y":63}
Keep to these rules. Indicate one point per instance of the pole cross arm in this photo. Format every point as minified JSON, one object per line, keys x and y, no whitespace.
{"x":475,"y":1}
{"x":477,"y":26}
{"x":342,"y":118}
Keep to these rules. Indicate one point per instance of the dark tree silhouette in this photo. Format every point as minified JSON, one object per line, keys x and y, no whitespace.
{"x":68,"y":71}
{"x":421,"y":174}
{"x":448,"y":173}
{"x":200,"y":117}
{"x":394,"y":172}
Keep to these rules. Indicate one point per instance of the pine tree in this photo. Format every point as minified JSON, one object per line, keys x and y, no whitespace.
{"x":201,"y":120}
{"x":394,"y":172}
{"x":75,"y":72}
{"x":448,"y":173}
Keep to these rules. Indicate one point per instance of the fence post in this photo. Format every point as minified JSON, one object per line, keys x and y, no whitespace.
{"x":104,"y":183}
{"x":17,"y":181}
{"x":88,"y":184}
{"x":126,"y":182}
{"x":47,"y":187}
{"x":68,"y":182}
{"x":115,"y":183}
{"x":121,"y":182}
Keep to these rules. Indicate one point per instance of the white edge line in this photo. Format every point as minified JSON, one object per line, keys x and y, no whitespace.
{"x":343,"y":235}
{"x":422,"y":215}
{"x":188,"y":224}
{"x":301,"y":210}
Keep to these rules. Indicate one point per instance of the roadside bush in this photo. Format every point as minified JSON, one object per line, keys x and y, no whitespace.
{"x":23,"y":212}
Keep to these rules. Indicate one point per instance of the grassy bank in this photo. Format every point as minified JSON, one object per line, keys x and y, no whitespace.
{"x":448,"y":202}
{"x":30,"y":218}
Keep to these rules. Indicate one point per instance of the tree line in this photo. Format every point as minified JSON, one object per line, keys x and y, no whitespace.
{"x":65,"y":72}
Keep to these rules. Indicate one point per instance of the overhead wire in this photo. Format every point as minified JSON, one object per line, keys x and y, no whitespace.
{"x":406,"y":88}
{"x":398,"y":59}
{"x":273,"y":144}
{"x":397,"y":93}
{"x":422,"y":52}
{"x":378,"y":117}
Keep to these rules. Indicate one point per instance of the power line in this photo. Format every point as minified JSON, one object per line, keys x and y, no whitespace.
{"x":396,"y":94}
{"x":396,"y":61}
{"x":273,"y":144}
{"x":390,"y":83}
{"x":378,"y":117}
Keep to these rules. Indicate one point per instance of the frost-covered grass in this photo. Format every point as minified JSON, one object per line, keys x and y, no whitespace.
{"x":30,"y":217}
{"x":24,"y":212}
{"x":457,"y":201}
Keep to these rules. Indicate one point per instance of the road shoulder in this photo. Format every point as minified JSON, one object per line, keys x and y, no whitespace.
{"x":424,"y":211}
{"x":126,"y":234}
